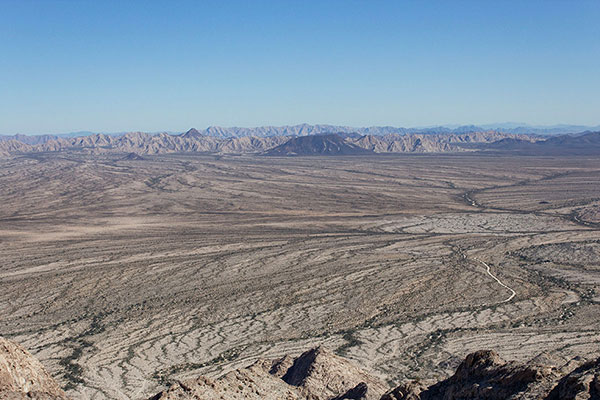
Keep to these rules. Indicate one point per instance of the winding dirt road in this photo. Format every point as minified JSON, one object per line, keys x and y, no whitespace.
{"x":489,"y":272}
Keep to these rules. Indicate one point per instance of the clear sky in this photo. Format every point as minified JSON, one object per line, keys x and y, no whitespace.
{"x":171,"y":65}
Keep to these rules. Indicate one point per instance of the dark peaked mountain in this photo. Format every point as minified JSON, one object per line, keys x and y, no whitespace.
{"x":331,"y":144}
{"x":192,"y":133}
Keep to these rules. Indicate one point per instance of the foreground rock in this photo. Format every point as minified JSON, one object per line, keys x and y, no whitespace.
{"x":24,"y":377}
{"x":484,"y":375}
{"x":582,"y":383}
{"x":316,"y":375}
{"x":319,"y":375}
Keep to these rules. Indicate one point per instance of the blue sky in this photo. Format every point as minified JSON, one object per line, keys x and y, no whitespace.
{"x":170,"y":65}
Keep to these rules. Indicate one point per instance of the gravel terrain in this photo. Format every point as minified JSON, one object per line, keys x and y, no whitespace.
{"x":121,"y":275}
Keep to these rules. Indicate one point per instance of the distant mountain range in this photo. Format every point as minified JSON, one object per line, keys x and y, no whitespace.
{"x":305,"y":140}
{"x":307,"y":130}
{"x":198,"y":142}
{"x":320,"y":129}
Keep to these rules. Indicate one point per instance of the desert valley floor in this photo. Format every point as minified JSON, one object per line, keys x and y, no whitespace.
{"x":122,"y":274}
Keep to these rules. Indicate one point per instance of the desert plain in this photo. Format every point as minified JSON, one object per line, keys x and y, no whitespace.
{"x":122,"y":274}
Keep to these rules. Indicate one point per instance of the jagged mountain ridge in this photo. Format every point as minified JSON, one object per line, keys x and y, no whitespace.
{"x":320,"y":129}
{"x":197,"y":142}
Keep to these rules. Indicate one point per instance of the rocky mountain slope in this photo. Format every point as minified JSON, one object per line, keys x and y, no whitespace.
{"x":424,"y":143}
{"x":24,"y":377}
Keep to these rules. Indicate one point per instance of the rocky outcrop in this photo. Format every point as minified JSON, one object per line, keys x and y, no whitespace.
{"x":24,"y":377}
{"x":316,"y":374}
{"x":320,"y":375}
{"x":582,"y":383}
{"x":484,"y":375}
{"x":405,"y":391}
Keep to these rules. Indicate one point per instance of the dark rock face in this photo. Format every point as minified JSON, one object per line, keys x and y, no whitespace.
{"x":358,"y":392}
{"x":484,"y":375}
{"x":300,"y":369}
{"x":582,"y":383}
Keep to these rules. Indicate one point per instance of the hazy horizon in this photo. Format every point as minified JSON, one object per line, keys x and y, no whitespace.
{"x":113,"y":66}
{"x":498,"y":125}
